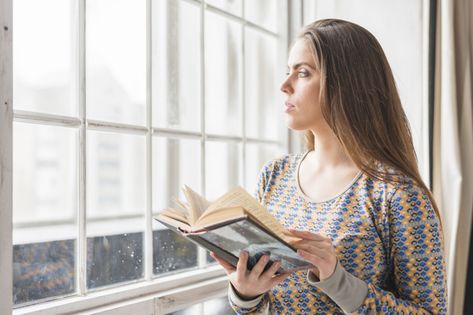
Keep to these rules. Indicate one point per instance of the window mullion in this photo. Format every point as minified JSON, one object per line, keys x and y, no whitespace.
{"x":148,"y":235}
{"x":81,"y":247}
{"x":202,"y":256}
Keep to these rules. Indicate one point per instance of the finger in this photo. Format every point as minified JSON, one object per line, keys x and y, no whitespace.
{"x":225,"y":265}
{"x":321,"y":244}
{"x":272,"y":270}
{"x":258,"y":268}
{"x":241,"y":265}
{"x":307,"y":235}
{"x":279,"y":278}
{"x":311,"y":257}
{"x":317,"y":247}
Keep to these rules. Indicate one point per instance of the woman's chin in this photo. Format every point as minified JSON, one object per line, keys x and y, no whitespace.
{"x":294,"y":125}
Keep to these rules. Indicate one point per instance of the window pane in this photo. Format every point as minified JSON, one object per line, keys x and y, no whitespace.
{"x":175,"y":163}
{"x":45,"y":56}
{"x":223,"y":75}
{"x":231,"y":6}
{"x":176,"y":66}
{"x":116,"y":60}
{"x":116,"y":201}
{"x":44,"y":210}
{"x":256,"y":156}
{"x":262,"y":13}
{"x":114,"y":258}
{"x":261,"y":103}
{"x":223,"y":168}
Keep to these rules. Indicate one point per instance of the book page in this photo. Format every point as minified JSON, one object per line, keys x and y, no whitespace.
{"x":197,"y":204}
{"x":240,"y":197}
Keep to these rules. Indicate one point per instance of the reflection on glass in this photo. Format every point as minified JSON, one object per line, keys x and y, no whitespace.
{"x":45,"y":63}
{"x":261,"y":96}
{"x":256,"y":156}
{"x":43,"y":270}
{"x":223,"y":168}
{"x":231,"y":6}
{"x":116,"y":199}
{"x":171,"y":252}
{"x":116,"y":60}
{"x":175,"y":163}
{"x":44,"y":210}
{"x":176,"y":65}
{"x":262,"y":13}
{"x":114,"y":258}
{"x":223,"y":75}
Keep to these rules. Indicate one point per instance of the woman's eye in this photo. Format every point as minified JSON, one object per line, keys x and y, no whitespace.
{"x":303,"y":74}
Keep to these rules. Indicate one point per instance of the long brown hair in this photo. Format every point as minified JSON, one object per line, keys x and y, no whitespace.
{"x":360,"y":101}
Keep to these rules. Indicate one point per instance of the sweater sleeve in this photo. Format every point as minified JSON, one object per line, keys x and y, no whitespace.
{"x":417,"y":256}
{"x":256,"y":306}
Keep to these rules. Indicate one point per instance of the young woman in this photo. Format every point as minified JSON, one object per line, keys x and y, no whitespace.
{"x":355,"y":199}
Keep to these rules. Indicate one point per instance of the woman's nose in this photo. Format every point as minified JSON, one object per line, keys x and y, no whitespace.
{"x":285,"y":86}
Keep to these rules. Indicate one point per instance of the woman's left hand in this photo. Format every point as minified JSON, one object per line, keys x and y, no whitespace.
{"x":318,"y":250}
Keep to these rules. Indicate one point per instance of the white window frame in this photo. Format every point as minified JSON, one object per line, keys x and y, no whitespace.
{"x":161,"y":295}
{"x":6,"y":122}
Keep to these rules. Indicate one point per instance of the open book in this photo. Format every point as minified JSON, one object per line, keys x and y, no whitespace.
{"x":232,"y":223}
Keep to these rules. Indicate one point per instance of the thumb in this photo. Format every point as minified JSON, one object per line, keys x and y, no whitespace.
{"x":225,"y":265}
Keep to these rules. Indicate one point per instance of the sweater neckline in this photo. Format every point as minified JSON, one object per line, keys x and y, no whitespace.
{"x":343,"y":192}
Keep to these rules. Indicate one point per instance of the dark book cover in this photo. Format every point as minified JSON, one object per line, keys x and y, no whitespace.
{"x":229,"y":238}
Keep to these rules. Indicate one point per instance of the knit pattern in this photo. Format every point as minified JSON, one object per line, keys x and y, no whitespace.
{"x":386,"y":234}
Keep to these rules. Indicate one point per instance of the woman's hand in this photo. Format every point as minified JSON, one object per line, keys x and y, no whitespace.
{"x":251,"y":283}
{"x":318,"y":250}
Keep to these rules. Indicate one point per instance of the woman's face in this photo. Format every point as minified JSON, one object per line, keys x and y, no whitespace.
{"x":301,"y":89}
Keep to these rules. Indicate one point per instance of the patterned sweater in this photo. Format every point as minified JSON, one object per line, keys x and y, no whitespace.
{"x":386,"y":236}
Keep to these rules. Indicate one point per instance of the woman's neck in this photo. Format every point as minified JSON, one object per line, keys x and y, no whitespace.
{"x":329,"y":152}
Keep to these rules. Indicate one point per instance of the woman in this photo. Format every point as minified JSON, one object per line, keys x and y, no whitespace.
{"x":355,"y":199}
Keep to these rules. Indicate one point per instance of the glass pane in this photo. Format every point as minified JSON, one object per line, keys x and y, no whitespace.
{"x":223,"y":168}
{"x":116,"y":60}
{"x":231,"y":6}
{"x":114,"y":258}
{"x":45,"y":56}
{"x":223,"y":75}
{"x":176,"y":65}
{"x":175,"y":163}
{"x":44,"y":225}
{"x":43,"y":270}
{"x":262,"y":13}
{"x":261,"y":99}
{"x":256,"y":156}
{"x":116,"y":201}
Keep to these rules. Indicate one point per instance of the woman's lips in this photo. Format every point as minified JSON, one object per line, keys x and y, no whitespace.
{"x":289,"y":107}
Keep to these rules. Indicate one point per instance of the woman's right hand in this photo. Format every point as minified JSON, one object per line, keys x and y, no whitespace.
{"x":249,"y":284}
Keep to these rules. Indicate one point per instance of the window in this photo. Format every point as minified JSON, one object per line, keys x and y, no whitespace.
{"x":117,"y":104}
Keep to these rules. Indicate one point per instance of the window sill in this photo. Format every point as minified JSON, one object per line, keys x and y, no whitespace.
{"x":159,"y":296}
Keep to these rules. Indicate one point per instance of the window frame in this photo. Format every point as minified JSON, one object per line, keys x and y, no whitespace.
{"x":165,"y":294}
{"x":6,"y":156}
